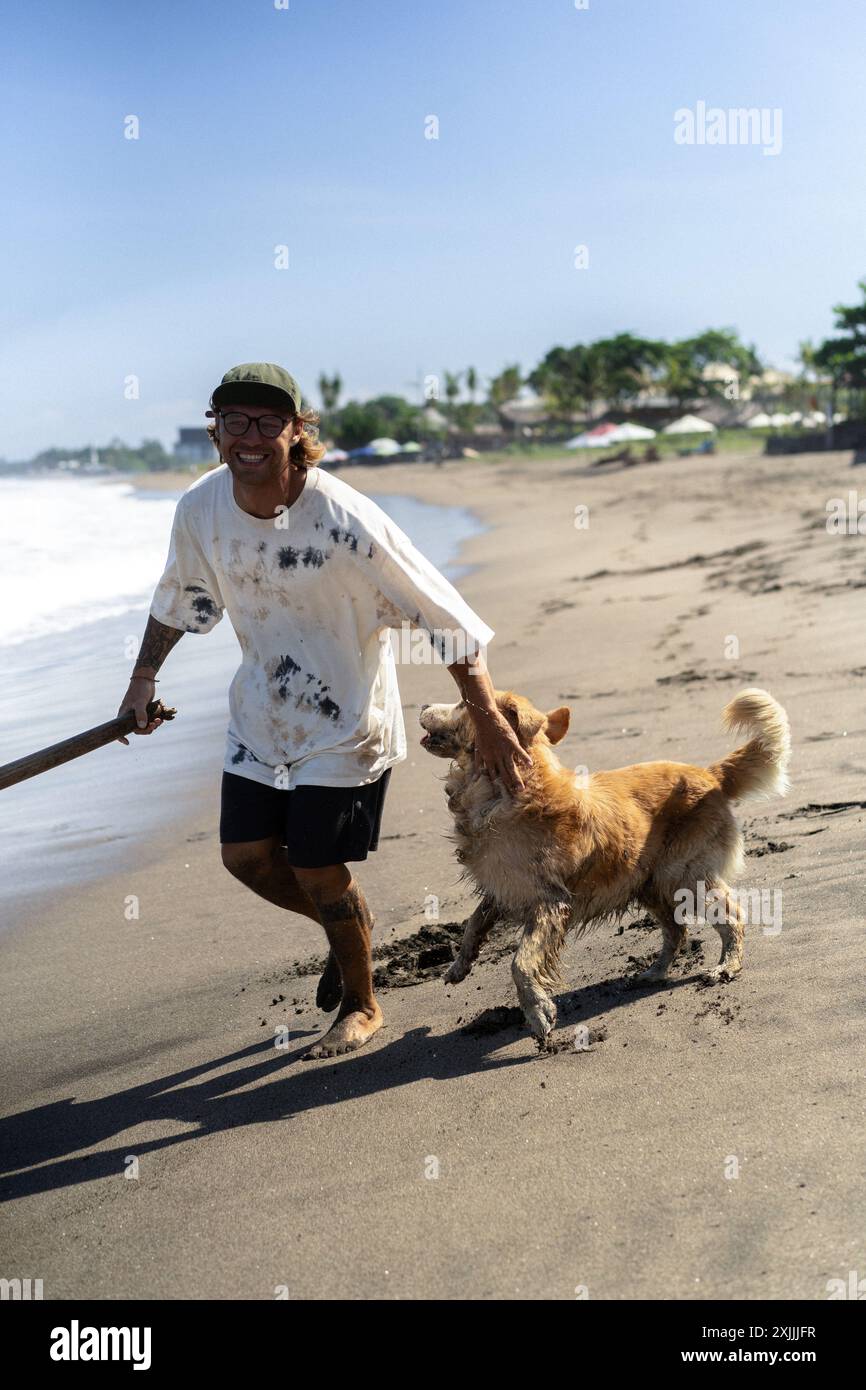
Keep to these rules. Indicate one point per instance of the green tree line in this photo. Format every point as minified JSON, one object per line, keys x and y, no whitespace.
{"x":571,"y":381}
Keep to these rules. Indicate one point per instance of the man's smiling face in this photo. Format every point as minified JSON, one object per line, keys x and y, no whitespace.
{"x":253,"y":457}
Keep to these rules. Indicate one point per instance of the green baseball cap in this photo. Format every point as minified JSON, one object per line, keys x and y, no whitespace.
{"x":258,"y":383}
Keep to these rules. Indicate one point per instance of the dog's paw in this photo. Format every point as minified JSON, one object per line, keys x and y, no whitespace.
{"x":722,"y":974}
{"x":457,"y":971}
{"x":653,"y":976}
{"x":541,"y":1019}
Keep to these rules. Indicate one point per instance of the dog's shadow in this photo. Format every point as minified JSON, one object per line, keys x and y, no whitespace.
{"x":576,"y":1006}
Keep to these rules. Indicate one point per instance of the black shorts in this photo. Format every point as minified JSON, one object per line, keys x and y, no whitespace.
{"x":319,"y":826}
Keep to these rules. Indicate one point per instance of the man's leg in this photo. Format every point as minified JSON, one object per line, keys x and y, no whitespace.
{"x":263,"y":866}
{"x":348,"y":924}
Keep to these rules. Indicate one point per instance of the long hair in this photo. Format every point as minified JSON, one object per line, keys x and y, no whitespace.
{"x":308,"y":450}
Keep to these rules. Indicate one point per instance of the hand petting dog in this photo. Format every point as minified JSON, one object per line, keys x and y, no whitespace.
{"x":498,"y":750}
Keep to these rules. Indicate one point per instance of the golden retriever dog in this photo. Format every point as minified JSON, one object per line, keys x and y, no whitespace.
{"x":566,"y":852}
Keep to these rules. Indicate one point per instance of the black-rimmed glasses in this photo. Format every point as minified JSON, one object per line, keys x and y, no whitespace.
{"x":236,"y":423}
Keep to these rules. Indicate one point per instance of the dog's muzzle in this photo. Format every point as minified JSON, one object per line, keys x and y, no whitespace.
{"x":437,"y":740}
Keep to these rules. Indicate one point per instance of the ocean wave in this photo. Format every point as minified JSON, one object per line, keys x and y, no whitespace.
{"x":74,"y":551}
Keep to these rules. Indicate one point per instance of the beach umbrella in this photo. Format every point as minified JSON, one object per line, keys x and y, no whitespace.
{"x":376,"y":449}
{"x":593,"y":439}
{"x":689,"y":424}
{"x":603,"y":435}
{"x":383,"y":447}
{"x":628,"y":432}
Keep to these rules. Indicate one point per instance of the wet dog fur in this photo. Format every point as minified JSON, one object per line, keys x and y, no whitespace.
{"x":563,"y":854}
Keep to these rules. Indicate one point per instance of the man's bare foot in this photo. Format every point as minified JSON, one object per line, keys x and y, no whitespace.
{"x":347,"y":1034}
{"x":330,"y":990}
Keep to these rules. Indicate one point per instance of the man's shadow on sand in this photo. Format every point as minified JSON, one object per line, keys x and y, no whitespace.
{"x":211,"y":1103}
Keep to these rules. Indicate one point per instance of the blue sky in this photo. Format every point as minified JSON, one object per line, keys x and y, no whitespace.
{"x":305,"y":127}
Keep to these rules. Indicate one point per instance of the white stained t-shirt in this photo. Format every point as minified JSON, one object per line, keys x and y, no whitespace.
{"x":311,"y":595}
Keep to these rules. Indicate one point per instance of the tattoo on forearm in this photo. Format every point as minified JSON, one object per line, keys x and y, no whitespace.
{"x":156,"y":643}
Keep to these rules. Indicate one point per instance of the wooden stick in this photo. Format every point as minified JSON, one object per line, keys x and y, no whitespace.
{"x":75,"y":747}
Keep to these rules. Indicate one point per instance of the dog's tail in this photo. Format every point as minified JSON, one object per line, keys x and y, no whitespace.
{"x":759,"y":767}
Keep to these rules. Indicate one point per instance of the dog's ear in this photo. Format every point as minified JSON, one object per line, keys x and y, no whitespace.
{"x":524,"y":720}
{"x":557,"y":724}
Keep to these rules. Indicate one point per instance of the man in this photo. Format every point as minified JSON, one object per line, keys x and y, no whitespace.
{"x":312,"y":574}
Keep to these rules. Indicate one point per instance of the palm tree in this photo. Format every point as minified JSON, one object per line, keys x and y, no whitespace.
{"x":505,"y":386}
{"x":570,"y":379}
{"x":589,"y":372}
{"x":806,"y":355}
{"x":452,"y":390}
{"x":628,"y":364}
{"x":807,"y":380}
{"x":682,"y":376}
{"x":468,"y":412}
{"x":330,"y":389}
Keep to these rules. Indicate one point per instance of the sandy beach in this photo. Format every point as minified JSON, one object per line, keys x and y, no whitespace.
{"x":164,"y":1139}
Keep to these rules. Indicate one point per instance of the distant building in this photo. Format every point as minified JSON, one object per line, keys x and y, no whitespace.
{"x":194,"y":444}
{"x":526,"y":408}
